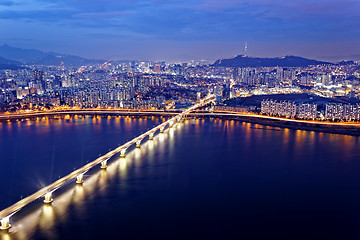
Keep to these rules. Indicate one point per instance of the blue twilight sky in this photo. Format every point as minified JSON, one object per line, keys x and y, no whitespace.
{"x":182,"y":30}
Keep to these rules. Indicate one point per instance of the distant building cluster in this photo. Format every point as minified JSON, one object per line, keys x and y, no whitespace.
{"x":263,"y":76}
{"x":307,"y":111}
{"x":342,"y":112}
{"x":148,"y":84}
{"x":279,"y":109}
{"x":232,"y":109}
{"x":289,"y":109}
{"x":91,"y":87}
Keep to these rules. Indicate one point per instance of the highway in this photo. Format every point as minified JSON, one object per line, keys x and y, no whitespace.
{"x":161,"y":113}
{"x":237,"y":114}
{"x":8,"y":212}
{"x":5,"y":117}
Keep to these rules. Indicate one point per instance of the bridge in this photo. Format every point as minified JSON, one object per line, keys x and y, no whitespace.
{"x":57,"y":113}
{"x":78,"y":174}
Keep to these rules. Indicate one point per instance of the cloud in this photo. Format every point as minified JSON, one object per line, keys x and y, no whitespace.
{"x":259,"y":21}
{"x":103,"y":15}
{"x":6,"y":3}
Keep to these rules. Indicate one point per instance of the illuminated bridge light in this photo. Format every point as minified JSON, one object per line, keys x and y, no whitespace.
{"x":5,"y":223}
{"x":151,"y":136}
{"x":48,"y":198}
{"x":162,"y":129}
{"x":79,"y":179}
{"x":123,"y":153}
{"x":104,"y":164}
{"x":138,"y":144}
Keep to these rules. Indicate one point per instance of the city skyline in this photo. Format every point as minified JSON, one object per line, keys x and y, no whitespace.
{"x":183,"y":30}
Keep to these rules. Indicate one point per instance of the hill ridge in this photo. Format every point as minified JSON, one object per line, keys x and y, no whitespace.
{"x":287,"y":61}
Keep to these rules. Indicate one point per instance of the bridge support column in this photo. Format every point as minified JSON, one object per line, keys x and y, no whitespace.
{"x":138,"y":144}
{"x":48,"y":198}
{"x":5,"y":223}
{"x":123,"y":153}
{"x":104,"y":164}
{"x":151,"y":136}
{"x":79,"y":179}
{"x":179,"y":121}
{"x":162,"y":130}
{"x":171,"y":124}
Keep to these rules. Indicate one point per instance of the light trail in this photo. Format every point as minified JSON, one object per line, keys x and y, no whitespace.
{"x":87,"y":111}
{"x":8,"y":212}
{"x":160,"y":112}
{"x":237,"y":114}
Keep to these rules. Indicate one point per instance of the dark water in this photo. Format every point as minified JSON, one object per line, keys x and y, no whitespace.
{"x":204,"y":179}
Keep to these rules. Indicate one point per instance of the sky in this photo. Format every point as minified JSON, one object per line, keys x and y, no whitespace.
{"x":174,"y":30}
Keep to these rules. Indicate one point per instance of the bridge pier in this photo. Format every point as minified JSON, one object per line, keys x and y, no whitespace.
{"x":104,"y":164}
{"x":48,"y":198}
{"x":138,"y":144}
{"x":171,"y":124}
{"x":162,"y":129}
{"x":5,"y":223}
{"x":178,"y":121}
{"x":123,"y":153}
{"x":79,"y":179}
{"x":151,"y":136}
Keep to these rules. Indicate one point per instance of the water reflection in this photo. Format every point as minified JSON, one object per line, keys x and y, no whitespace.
{"x":137,"y":159}
{"x":5,"y":236}
{"x":78,"y":200}
{"x":103,"y":180}
{"x":46,"y":221}
{"x":122,"y":168}
{"x":42,"y":218}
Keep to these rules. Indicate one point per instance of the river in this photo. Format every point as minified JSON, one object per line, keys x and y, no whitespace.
{"x":202,"y":179}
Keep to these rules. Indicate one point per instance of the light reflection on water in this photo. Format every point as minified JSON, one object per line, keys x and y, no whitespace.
{"x":122,"y":168}
{"x":43,"y":217}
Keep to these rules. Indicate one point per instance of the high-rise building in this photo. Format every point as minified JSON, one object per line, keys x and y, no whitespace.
{"x":39,"y":78}
{"x":307,"y":111}
{"x":326,"y":79}
{"x":38,"y":75}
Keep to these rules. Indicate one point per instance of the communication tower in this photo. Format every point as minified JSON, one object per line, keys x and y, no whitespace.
{"x":245,"y":49}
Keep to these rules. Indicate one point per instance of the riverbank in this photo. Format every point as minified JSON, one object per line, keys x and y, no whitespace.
{"x":317,"y":126}
{"x":350,"y":128}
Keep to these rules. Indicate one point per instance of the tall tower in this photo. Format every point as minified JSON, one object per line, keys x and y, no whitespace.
{"x":245,"y":49}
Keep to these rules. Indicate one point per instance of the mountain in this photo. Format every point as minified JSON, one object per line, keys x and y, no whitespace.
{"x":355,"y":57}
{"x":9,"y":64}
{"x":245,"y":61}
{"x":68,"y":60}
{"x":20,"y":54}
{"x":344,"y":63}
{"x":37,"y":57}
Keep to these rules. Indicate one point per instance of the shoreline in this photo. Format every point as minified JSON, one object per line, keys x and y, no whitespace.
{"x":317,"y":126}
{"x":352,"y":129}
